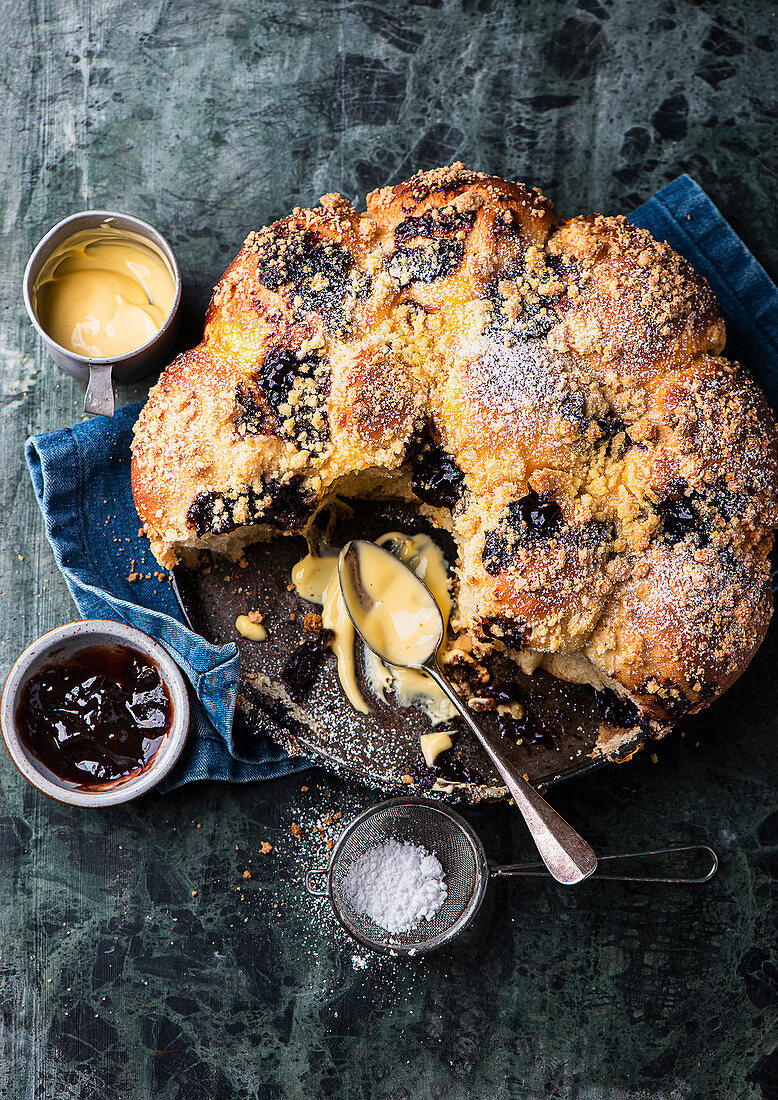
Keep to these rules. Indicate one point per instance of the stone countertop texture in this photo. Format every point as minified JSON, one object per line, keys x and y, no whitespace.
{"x":137,"y":958}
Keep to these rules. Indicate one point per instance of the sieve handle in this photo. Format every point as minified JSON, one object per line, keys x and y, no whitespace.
{"x":566,"y":854}
{"x":537,"y":870}
{"x":310,"y":879}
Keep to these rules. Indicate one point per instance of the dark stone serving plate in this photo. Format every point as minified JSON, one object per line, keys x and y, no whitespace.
{"x":567,"y":732}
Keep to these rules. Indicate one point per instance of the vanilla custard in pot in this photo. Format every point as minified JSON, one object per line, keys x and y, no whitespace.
{"x":104,"y":292}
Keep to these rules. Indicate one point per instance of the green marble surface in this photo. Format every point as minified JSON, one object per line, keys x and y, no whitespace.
{"x":136,"y":960}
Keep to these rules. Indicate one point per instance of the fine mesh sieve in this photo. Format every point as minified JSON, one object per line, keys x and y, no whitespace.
{"x":445,"y":834}
{"x":435,"y":828}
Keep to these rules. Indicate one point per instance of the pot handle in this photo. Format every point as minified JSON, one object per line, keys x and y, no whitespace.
{"x":99,"y":398}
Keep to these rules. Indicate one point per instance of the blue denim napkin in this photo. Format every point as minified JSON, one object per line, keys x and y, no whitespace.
{"x":81,"y":477}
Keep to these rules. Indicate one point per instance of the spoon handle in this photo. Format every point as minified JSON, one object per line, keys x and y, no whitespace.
{"x":566,"y":854}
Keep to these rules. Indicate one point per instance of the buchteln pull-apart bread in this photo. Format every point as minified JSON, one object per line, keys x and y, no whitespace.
{"x":551,"y":393}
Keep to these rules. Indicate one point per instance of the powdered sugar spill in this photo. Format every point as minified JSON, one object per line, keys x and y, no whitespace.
{"x":396,"y":884}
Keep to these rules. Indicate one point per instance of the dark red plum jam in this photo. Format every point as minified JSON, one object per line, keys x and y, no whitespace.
{"x":96,"y":718}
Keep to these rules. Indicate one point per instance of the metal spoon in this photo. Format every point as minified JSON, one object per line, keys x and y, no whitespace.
{"x":566,"y":854}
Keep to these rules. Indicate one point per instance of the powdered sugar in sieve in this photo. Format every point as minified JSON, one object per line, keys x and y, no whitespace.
{"x":397,"y":884}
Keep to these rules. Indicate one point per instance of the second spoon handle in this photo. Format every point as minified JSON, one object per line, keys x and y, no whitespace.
{"x":566,"y":854}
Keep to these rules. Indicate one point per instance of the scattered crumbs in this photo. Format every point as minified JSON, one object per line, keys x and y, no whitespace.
{"x":199,"y":826}
{"x":293,"y":617}
{"x":243,"y":563}
{"x":265,"y":848}
{"x":312,"y":623}
{"x":290,"y":588}
{"x":255,"y":617}
{"x":654,"y":758}
{"x":303,"y":788}
{"x":194,"y":893}
{"x":20,"y":557}
{"x":247,"y":874}
{"x":407,"y":779}
{"x":132,"y":577}
{"x":141,"y":532}
{"x":330,"y":843}
{"x":295,"y":830}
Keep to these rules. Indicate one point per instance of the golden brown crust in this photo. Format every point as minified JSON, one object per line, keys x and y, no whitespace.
{"x":613,"y":482}
{"x":642,"y":309}
{"x":684,"y":627}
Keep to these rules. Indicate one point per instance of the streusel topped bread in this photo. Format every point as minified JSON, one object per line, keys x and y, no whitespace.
{"x":551,"y":393}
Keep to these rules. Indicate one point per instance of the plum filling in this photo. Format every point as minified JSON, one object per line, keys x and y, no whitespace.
{"x":680,"y":519}
{"x":435,"y":477}
{"x":321,"y":275}
{"x":445,"y":222}
{"x":286,"y":506}
{"x":531,"y":520}
{"x":439,"y":234}
{"x":616,"y":711}
{"x":300,"y":669}
{"x":613,"y":435}
{"x":294,"y":389}
{"x":510,"y":632}
{"x":448,"y":770}
{"x":436,"y":259}
{"x":522,"y":301}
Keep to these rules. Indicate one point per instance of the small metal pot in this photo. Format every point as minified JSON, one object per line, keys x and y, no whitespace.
{"x":58,"y":646}
{"x":100,"y":373}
